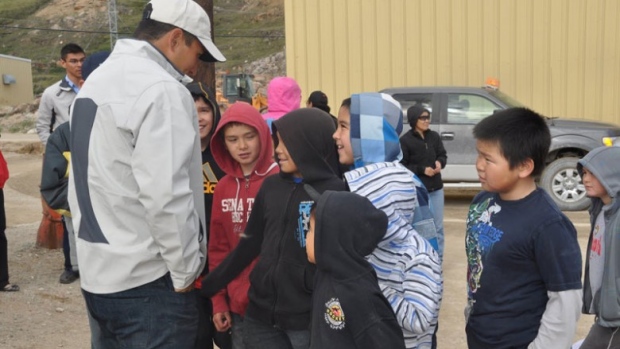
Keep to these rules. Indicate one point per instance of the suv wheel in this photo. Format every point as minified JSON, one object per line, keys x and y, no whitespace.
{"x":562,"y":181}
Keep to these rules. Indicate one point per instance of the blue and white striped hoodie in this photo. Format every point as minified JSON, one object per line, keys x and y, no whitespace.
{"x":407,"y":266}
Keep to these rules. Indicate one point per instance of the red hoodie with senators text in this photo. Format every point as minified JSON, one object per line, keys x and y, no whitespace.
{"x":233,"y":200}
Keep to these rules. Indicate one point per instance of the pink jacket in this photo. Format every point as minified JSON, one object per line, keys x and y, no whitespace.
{"x":283,"y":96}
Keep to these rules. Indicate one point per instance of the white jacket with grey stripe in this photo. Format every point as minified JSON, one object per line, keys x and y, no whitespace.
{"x":136,"y":187}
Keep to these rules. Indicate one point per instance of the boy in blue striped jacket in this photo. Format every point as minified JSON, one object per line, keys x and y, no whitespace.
{"x":408,"y":267}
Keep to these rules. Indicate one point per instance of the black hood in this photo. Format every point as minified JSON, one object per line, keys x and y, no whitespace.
{"x":200,"y":89}
{"x":307,"y":134}
{"x":413,"y":114}
{"x":348,"y":228}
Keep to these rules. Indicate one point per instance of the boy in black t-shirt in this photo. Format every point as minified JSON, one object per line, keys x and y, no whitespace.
{"x":524,"y":261}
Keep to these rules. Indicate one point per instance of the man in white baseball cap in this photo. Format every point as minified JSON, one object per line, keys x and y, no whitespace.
{"x":136,"y":187}
{"x":189,"y":16}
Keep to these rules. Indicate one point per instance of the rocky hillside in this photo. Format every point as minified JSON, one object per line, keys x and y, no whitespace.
{"x":245,"y":30}
{"x":21,"y":118}
{"x":250,"y":33}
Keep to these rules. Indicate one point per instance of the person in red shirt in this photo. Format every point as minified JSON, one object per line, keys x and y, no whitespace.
{"x":5,"y":285}
{"x":242,"y":147}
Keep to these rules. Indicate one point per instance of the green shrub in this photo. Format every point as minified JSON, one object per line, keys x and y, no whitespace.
{"x":22,"y":126}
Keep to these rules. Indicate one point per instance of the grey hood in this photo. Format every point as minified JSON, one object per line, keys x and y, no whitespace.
{"x":604,"y":164}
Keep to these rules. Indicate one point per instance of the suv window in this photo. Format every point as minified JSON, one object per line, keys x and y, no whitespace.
{"x":410,"y":99}
{"x":468,"y":108}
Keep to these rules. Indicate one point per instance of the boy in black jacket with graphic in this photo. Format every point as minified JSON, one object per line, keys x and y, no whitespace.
{"x":278,"y":314}
{"x":348,"y":307}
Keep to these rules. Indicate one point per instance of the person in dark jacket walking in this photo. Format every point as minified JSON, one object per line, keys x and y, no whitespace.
{"x":348,"y":307}
{"x":425,"y":155}
{"x":279,"y":310}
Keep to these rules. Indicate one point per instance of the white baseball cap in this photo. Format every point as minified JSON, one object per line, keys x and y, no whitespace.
{"x":189,"y":16}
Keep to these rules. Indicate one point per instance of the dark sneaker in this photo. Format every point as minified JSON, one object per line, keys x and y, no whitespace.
{"x":69,"y":276}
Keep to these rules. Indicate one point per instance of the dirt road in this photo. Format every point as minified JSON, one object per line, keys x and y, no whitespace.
{"x":46,"y":314}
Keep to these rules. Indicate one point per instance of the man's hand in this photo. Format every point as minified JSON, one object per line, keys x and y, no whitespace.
{"x":186,"y":289}
{"x":222,"y":321}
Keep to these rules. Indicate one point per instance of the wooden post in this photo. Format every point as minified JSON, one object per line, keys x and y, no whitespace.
{"x":206,"y":71}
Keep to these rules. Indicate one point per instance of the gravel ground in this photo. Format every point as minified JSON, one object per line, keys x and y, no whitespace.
{"x":47,"y":314}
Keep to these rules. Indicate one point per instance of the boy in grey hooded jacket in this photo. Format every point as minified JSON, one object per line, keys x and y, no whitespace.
{"x":600,"y":172}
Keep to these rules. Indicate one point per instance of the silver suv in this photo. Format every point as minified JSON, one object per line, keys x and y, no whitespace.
{"x":455,"y":112}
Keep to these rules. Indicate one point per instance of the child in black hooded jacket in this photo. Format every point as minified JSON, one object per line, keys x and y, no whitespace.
{"x":348,"y":307}
{"x":278,"y":313}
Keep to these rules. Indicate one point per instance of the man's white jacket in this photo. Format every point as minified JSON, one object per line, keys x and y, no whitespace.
{"x":135,"y":188}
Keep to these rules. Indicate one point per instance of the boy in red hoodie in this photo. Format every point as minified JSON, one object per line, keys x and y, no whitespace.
{"x":242,"y":147}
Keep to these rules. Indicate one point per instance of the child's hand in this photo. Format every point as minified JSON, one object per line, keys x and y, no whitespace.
{"x":222,"y":321}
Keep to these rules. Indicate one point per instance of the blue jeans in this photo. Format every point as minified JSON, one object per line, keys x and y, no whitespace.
{"x":207,"y":335}
{"x":437,"y":202}
{"x":602,"y":337}
{"x":237,"y":331}
{"x":148,"y":316}
{"x":257,"y":335}
{"x":68,"y":245}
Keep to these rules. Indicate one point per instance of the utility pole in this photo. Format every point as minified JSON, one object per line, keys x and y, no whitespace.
{"x":112,"y":16}
{"x":206,"y":71}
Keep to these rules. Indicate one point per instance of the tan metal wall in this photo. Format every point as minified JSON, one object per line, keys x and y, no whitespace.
{"x":21,"y":91}
{"x":560,"y":57}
